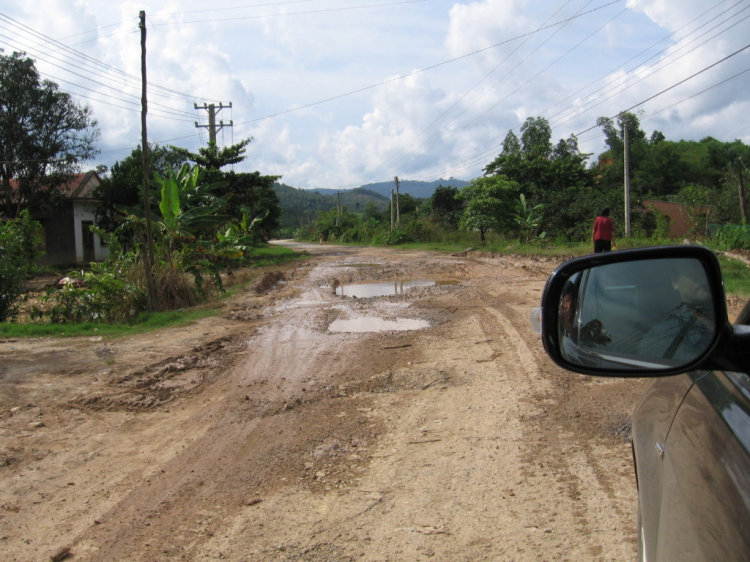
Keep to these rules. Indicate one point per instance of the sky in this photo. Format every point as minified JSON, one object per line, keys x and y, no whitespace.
{"x":341,"y":93}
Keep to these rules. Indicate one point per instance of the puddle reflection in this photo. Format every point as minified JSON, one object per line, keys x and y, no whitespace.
{"x":364,"y":290}
{"x":366,"y":324}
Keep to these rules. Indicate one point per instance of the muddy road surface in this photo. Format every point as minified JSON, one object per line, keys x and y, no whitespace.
{"x":314,"y":420}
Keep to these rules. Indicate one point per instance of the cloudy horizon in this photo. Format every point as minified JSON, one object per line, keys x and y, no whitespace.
{"x":341,"y":93}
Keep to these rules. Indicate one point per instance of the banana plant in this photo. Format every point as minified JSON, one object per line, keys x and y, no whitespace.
{"x":527,"y":217}
{"x":187,"y":207}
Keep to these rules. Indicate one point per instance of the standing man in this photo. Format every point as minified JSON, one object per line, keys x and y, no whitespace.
{"x":603,"y":234}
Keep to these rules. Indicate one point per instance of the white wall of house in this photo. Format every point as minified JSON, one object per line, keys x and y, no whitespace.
{"x":84,"y":212}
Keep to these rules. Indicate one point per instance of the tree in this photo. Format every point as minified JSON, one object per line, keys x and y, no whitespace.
{"x":536,"y":135}
{"x":612,"y":176}
{"x":45,"y":136}
{"x":123,"y":185}
{"x":212,"y":159}
{"x":445,"y":207}
{"x":19,"y":240}
{"x":244,"y":192}
{"x":489,"y":205}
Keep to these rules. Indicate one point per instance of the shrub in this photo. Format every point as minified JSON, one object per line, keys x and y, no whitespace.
{"x":19,"y":240}
{"x":101,"y":297}
{"x":734,"y":237}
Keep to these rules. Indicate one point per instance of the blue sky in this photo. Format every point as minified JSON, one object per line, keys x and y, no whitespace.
{"x":340,"y":93}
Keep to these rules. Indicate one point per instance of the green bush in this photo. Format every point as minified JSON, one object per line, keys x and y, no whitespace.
{"x":101,"y":297}
{"x":734,"y":237}
{"x":19,"y":240}
{"x":391,"y":238}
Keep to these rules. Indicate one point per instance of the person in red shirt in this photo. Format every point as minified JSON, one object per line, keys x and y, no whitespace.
{"x":603,"y":234}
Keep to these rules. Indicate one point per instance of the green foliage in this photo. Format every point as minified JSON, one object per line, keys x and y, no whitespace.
{"x":734,"y":237}
{"x":19,"y":240}
{"x":102,"y":297}
{"x":489,"y":205}
{"x":123,"y":187}
{"x":392,"y":238}
{"x":45,"y":135}
{"x":445,"y":207}
{"x":528,"y":218}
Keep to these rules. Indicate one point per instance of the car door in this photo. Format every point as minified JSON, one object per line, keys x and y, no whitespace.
{"x":652,"y":419}
{"x":705,"y":481}
{"x":704,"y":496}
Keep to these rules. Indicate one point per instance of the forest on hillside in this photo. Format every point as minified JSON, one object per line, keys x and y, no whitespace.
{"x":537,"y":189}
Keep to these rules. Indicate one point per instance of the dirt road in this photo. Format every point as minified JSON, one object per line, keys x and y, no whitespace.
{"x":283,"y":430}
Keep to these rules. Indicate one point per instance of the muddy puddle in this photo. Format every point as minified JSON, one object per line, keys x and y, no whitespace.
{"x":382,"y":289}
{"x":367,"y":324}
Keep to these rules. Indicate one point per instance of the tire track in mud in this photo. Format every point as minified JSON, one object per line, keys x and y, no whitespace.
{"x":584,"y":477}
{"x":255,"y":416}
{"x":456,"y":443}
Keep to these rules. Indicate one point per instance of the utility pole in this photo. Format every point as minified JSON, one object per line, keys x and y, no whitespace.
{"x":743,"y":209}
{"x":148,"y":253}
{"x":338,"y":207}
{"x":212,"y":127}
{"x":393,"y":212}
{"x":626,"y":148}
{"x":398,"y":208}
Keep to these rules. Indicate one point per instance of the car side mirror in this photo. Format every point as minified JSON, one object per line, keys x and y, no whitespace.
{"x":655,"y":311}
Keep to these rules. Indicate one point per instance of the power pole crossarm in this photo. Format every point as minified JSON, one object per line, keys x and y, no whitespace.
{"x":213,"y":109}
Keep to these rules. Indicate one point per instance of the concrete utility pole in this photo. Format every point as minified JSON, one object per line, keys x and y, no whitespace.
{"x":212,"y":127}
{"x":398,"y":209}
{"x":743,"y":209}
{"x":626,"y":147}
{"x":393,"y":213}
{"x":148,"y":253}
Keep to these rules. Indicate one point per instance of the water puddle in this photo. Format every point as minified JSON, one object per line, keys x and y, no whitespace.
{"x":365,"y":324}
{"x":364,"y":290}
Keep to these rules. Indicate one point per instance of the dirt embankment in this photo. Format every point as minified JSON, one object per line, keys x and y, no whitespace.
{"x":263,"y":434}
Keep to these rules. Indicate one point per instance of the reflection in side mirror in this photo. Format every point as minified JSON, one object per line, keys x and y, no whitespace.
{"x":655,"y":314}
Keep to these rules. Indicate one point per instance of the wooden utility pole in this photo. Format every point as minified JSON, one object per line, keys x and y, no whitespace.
{"x":626,"y":148}
{"x":148,"y":254}
{"x":743,"y":209}
{"x":212,"y":127}
{"x":398,"y":208}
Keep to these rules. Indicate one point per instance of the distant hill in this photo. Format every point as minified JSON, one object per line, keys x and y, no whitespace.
{"x":301,"y":206}
{"x":419,"y":189}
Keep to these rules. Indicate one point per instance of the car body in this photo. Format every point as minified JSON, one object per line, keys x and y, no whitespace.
{"x":661,"y":313}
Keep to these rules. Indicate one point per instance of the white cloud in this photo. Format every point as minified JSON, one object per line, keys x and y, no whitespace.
{"x":269,"y":66}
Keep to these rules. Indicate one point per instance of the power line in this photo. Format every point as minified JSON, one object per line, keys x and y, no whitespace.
{"x":634,"y":57}
{"x":487,"y":111}
{"x":517,"y":89}
{"x":238,"y":18}
{"x":619,"y":88}
{"x":672,"y":87}
{"x":426,"y":69}
{"x":487,"y":75}
{"x":124,"y":76}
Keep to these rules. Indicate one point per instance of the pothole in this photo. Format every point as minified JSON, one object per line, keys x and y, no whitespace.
{"x":384,"y":288}
{"x":366,"y":324}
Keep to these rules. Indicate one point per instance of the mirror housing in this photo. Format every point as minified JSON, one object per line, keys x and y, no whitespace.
{"x":646,"y":312}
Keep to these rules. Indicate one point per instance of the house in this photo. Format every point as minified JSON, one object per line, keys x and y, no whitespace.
{"x":67,"y":237}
